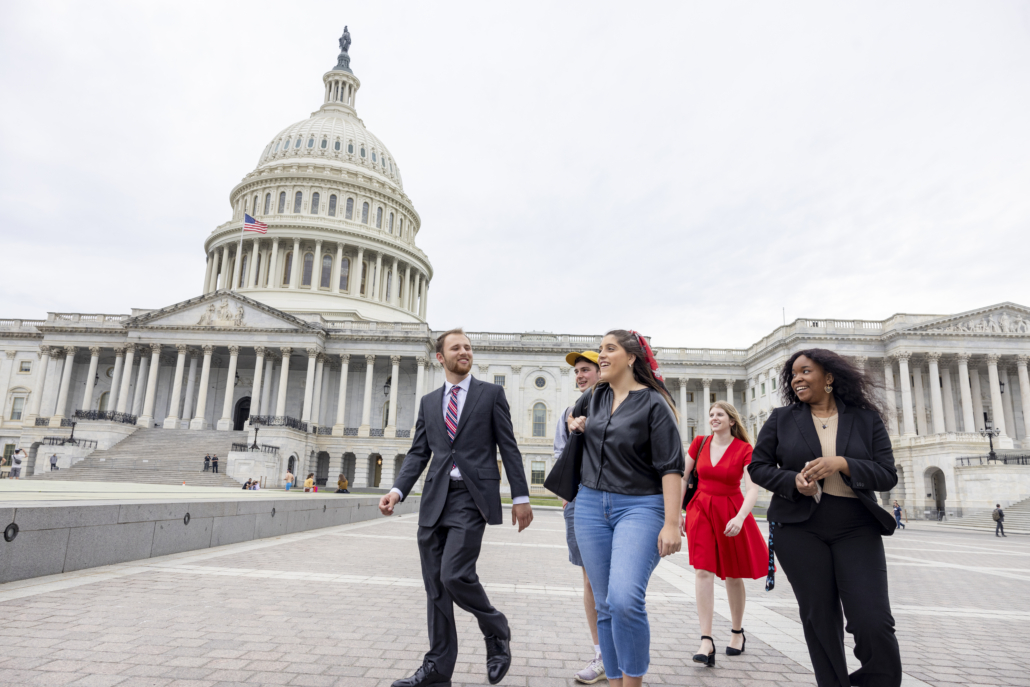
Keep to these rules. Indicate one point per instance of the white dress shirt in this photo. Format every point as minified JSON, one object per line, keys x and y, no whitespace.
{"x":463,"y":390}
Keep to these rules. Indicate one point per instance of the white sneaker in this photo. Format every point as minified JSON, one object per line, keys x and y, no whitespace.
{"x":594,"y":672}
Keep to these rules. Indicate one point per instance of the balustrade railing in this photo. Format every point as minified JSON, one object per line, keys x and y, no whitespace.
{"x":42,"y":422}
{"x":987,"y":460}
{"x":278,"y":421}
{"x":375,"y":432}
{"x":106,"y":416}
{"x":324,"y":431}
{"x":250,"y":448}
{"x":67,"y":422}
{"x":68,"y":441}
{"x":350,"y":431}
{"x":403,"y":433}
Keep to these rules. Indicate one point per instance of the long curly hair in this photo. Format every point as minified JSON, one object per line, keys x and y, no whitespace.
{"x":641,"y":370}
{"x":855,"y":387}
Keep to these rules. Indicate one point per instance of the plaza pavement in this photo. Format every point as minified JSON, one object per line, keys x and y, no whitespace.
{"x":345,"y":606}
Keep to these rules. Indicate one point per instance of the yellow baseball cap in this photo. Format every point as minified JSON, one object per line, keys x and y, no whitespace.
{"x":589,"y":355}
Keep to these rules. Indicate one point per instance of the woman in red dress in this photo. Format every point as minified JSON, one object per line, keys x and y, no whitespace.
{"x":722,"y":536}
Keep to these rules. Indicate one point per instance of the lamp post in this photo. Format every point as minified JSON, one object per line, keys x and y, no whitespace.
{"x":990,"y":432}
{"x":255,"y":444}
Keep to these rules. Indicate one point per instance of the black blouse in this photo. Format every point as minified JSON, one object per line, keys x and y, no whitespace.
{"x":629,"y":452}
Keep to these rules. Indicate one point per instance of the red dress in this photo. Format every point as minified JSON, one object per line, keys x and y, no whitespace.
{"x":716,"y":502}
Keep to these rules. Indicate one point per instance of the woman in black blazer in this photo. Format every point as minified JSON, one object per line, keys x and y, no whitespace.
{"x":823,"y":455}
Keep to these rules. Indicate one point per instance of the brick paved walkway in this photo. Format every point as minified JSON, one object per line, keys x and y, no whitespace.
{"x":345,"y":606}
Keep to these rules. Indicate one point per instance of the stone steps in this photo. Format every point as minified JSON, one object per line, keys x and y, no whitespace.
{"x":1017,"y":517}
{"x":156,"y":456}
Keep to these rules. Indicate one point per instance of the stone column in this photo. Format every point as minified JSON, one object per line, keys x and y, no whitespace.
{"x":997,"y":411}
{"x":309,"y":385}
{"x":420,"y":381}
{"x":116,"y":377}
{"x":1006,"y":401}
{"x":295,"y":265}
{"x":191,"y":386}
{"x":920,"y":399}
{"x":316,"y":394}
{"x":423,"y":300}
{"x":141,"y":381}
{"x":395,"y":381}
{"x":252,"y":276}
{"x":968,"y":423}
{"x":978,"y":403}
{"x":123,"y":392}
{"x":172,"y":419}
{"x":323,"y":412}
{"x":706,"y":396}
{"x":356,"y":271}
{"x":936,"y":402}
{"x":207,"y":272}
{"x":272,"y":278}
{"x":406,"y":289}
{"x":517,"y":415}
{"x":284,"y":377}
{"x":266,"y":386}
{"x":199,"y":420}
{"x":395,"y":285}
{"x":949,"y":400}
{"x":94,"y":360}
{"x":729,"y":391}
{"x":147,"y":419}
{"x":906,"y":396}
{"x":39,"y":383}
{"x":418,"y":285}
{"x":255,"y":389}
{"x":62,"y":391}
{"x":1024,"y":393}
{"x":890,"y":400}
{"x":334,"y":280}
{"x":341,"y":401}
{"x":366,"y":403}
{"x":225,"y":423}
{"x":223,"y":275}
{"x":316,"y":267}
{"x":237,"y":266}
{"x":684,"y":426}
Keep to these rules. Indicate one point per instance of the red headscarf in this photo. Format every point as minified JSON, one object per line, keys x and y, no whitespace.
{"x":648,"y":355}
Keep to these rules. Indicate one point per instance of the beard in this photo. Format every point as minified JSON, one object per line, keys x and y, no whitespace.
{"x":458,"y":366}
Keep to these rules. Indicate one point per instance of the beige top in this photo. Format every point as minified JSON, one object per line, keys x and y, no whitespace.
{"x":834,"y":484}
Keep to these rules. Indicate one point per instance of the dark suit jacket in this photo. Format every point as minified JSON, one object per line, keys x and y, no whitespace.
{"x":483,"y":428}
{"x":788,"y":440}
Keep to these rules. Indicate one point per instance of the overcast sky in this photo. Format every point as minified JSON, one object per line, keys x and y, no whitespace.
{"x":685,"y":169}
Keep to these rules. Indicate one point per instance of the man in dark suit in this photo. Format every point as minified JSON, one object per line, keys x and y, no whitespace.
{"x":462,"y":426}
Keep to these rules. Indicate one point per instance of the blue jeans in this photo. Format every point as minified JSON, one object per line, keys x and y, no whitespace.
{"x":618,"y":539}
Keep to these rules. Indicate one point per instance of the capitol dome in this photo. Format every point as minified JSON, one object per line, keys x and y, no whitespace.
{"x":340,"y":239}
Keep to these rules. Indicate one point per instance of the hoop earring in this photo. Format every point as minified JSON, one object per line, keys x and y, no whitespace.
{"x":828,"y":389}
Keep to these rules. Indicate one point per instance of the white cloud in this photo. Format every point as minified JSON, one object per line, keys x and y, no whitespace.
{"x":683,"y":169}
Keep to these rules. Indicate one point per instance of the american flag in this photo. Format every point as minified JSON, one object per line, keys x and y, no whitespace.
{"x":251,"y":224}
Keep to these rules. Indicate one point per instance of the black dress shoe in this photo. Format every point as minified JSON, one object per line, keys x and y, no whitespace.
{"x":498,"y":658}
{"x":425,"y":676}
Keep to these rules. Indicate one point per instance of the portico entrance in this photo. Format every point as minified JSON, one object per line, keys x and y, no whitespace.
{"x":241,"y":413}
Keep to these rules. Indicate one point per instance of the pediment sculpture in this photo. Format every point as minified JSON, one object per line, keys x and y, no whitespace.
{"x":222,"y":315}
{"x":990,"y":324}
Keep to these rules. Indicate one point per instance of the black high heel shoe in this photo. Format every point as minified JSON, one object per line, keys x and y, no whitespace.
{"x":708,"y":660}
{"x":730,"y":651}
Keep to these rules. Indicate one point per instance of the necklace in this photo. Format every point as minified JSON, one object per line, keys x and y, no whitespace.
{"x":824,"y":420}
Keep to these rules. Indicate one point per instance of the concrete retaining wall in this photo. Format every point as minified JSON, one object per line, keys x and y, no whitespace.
{"x":58,"y":538}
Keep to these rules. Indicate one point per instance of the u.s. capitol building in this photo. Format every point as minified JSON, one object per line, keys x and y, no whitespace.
{"x":315,"y":332}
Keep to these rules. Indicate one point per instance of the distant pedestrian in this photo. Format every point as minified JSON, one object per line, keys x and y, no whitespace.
{"x":289,"y":480}
{"x":207,"y":463}
{"x":999,"y":517}
{"x":898,"y":514}
{"x":214,"y":463}
{"x":309,"y":483}
{"x":247,"y":485}
{"x":53,"y":462}
{"x":16,"y":462}
{"x":342,"y":484}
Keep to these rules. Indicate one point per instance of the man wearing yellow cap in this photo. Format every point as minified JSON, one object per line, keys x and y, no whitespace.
{"x":584,"y":365}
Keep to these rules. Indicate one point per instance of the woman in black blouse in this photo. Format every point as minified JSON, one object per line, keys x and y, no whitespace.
{"x":824,"y":455}
{"x":628,"y":507}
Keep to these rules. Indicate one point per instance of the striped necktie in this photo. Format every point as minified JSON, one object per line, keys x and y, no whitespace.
{"x":451,"y":418}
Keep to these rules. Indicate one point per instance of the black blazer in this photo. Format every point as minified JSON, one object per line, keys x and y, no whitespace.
{"x":483,"y":428}
{"x":788,"y":440}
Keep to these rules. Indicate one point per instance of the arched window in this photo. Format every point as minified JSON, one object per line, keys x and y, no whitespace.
{"x":382,"y":161}
{"x":344,"y":273}
{"x":364,"y":277}
{"x":315,"y":200}
{"x":336,"y":146}
{"x":253,"y":208}
{"x":297,"y":198}
{"x":364,"y":213}
{"x":311,"y":142}
{"x":282,"y":202}
{"x":350,"y":209}
{"x":268,"y":202}
{"x":332,"y":205}
{"x":373,"y":156}
{"x":350,"y":148}
{"x":277,"y":143}
{"x":297,"y":144}
{"x":379,"y":218}
{"x":325,"y":142}
{"x":243,"y":271}
{"x":390,"y":224}
{"x":286,"y":145}
{"x":362,"y":151}
{"x":309,"y":263}
{"x":103,"y":401}
{"x":539,"y":420}
{"x":389,"y":283}
{"x":287,"y":268}
{"x":327,"y":272}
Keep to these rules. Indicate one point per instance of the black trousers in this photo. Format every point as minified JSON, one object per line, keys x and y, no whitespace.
{"x":999,"y":528}
{"x":214,"y":466}
{"x":449,"y":551}
{"x":836,"y":558}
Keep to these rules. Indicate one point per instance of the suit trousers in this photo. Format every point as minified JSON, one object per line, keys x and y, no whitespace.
{"x":832,"y":559}
{"x":449,"y":551}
